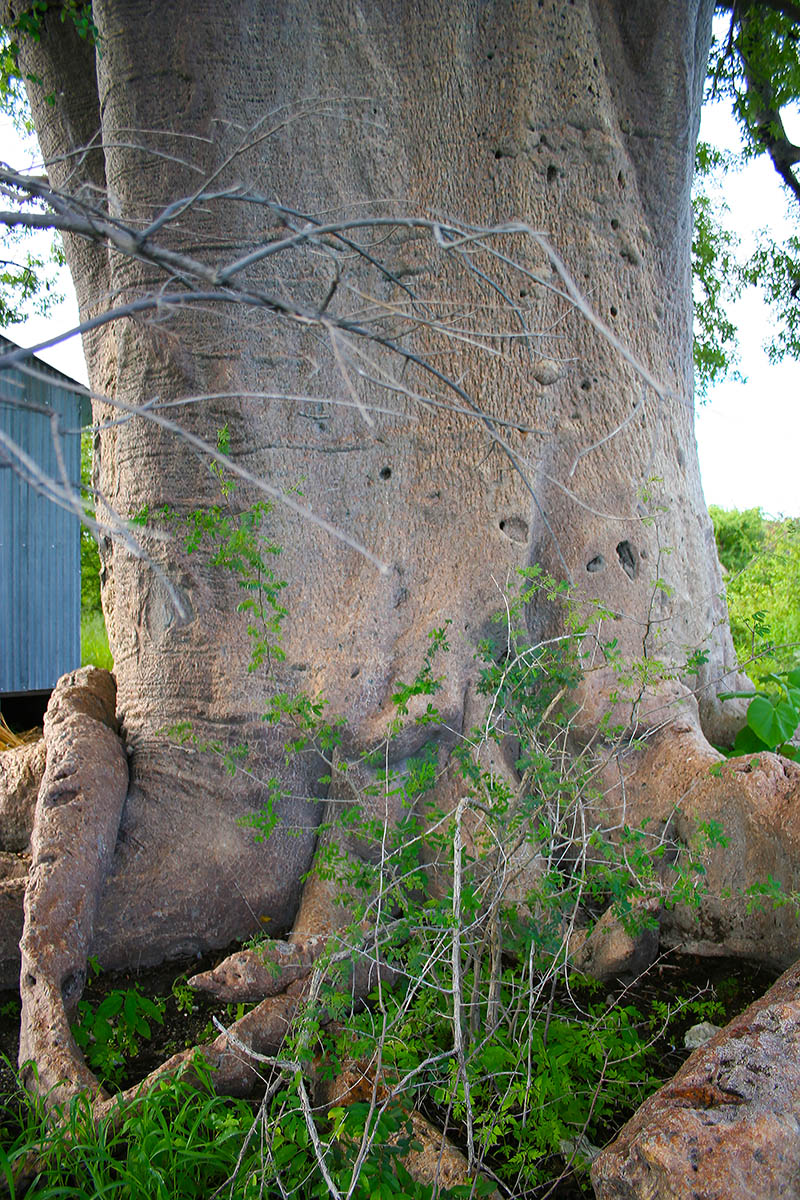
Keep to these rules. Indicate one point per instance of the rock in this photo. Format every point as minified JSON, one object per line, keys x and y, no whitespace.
{"x":254,"y":974}
{"x":579,"y":1149}
{"x":699,"y":1034}
{"x":610,"y":951}
{"x":727,"y":1127}
{"x":21,"y":771}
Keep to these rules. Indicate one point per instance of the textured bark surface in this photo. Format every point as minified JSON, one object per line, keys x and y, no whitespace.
{"x":578,"y":118}
{"x":21,"y":773}
{"x":676,"y":783}
{"x":75,"y":830}
{"x":726,"y":1127}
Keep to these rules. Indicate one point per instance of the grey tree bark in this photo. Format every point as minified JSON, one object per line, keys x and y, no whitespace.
{"x":578,"y":118}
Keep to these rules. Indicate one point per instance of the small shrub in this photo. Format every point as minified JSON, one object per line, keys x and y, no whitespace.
{"x":113,"y":1031}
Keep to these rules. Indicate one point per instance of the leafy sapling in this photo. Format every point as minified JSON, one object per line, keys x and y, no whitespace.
{"x":772,"y":720}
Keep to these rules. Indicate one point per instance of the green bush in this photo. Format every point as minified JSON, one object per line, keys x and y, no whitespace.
{"x":762,"y":558}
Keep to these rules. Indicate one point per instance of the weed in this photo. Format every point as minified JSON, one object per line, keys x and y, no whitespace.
{"x":114,"y":1030}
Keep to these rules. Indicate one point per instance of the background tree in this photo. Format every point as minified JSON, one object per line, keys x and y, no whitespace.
{"x":762,"y":560}
{"x":754,"y":64}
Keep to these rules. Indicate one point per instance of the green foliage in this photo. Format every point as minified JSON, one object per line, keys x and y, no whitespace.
{"x":177,"y":1140}
{"x":755,"y":65}
{"x":29,"y":279}
{"x":113,"y":1031}
{"x":95,"y":649}
{"x":769,"y":895}
{"x":480,"y":1026}
{"x":762,"y":558}
{"x":775,"y":268}
{"x":94,"y":637}
{"x":718,"y":277}
{"x":771,"y":719}
{"x":740,"y":536}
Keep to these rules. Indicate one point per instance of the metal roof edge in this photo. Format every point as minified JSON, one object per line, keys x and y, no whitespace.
{"x":6,"y":343}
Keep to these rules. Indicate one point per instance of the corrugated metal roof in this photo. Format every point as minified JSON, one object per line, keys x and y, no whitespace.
{"x":40,"y":592}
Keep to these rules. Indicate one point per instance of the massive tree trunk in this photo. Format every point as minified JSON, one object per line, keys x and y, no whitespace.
{"x":576,"y":118}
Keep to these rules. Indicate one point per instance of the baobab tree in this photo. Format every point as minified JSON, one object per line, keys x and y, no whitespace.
{"x":428,"y":268}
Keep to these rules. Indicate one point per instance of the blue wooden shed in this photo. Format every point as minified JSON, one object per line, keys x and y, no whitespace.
{"x":40,"y":572}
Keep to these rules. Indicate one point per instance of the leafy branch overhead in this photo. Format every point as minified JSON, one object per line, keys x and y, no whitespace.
{"x":755,"y":66}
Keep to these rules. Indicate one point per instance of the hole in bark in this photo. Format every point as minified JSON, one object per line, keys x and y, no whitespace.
{"x":490,"y":55}
{"x":72,"y":987}
{"x":627,"y":557}
{"x":355,"y":672}
{"x":643,"y":554}
{"x":613,"y":310}
{"x":595,"y":564}
{"x":614,"y":223}
{"x":385,"y":472}
{"x":515,"y":528}
{"x":30,"y":980}
{"x":552,"y":173}
{"x":586,"y":385}
{"x":523,"y":293}
{"x":621,"y":180}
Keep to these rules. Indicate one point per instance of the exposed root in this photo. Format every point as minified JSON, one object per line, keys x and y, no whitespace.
{"x":255,"y":974}
{"x":75,"y":830}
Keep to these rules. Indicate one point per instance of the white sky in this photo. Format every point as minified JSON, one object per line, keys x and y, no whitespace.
{"x":748,"y":434}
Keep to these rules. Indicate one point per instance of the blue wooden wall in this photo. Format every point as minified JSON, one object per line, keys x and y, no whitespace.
{"x":40,"y":580}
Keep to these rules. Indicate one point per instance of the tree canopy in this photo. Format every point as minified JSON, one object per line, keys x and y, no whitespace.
{"x":754,"y":65}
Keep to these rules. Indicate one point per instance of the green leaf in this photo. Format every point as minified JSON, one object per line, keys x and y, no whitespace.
{"x":747,"y":743}
{"x":761,"y":719}
{"x":785,"y":721}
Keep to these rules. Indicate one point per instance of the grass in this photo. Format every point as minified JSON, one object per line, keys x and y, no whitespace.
{"x":94,"y":641}
{"x":9,"y":740}
{"x":175,"y":1141}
